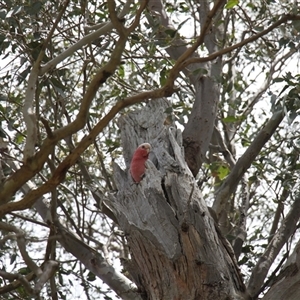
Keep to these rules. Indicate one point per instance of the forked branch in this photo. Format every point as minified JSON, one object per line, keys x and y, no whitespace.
{"x":230,"y":183}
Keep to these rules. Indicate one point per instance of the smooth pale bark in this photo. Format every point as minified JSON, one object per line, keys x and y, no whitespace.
{"x":244,"y":162}
{"x":287,"y":228}
{"x":286,"y":284}
{"x":176,"y":252}
{"x":199,"y":128}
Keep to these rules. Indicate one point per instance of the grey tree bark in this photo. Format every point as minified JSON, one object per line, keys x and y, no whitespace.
{"x":199,"y":128}
{"x":176,"y":250}
{"x":286,"y":284}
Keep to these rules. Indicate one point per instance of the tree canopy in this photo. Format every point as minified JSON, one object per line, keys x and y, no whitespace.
{"x":213,"y":86}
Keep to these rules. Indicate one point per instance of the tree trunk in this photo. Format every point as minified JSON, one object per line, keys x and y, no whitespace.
{"x":176,"y":250}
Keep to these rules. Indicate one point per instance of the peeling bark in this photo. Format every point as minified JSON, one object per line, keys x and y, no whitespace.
{"x":176,"y":251}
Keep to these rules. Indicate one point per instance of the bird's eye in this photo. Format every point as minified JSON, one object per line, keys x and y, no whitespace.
{"x":143,"y":147}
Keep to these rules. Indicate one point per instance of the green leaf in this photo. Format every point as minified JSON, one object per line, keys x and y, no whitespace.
{"x":33,"y":8}
{"x":200,"y":71}
{"x":91,"y":277}
{"x":16,"y":10}
{"x":57,"y":83}
{"x":247,"y":249}
{"x":169,"y":110}
{"x":2,"y":133}
{"x":296,"y":24}
{"x":171,"y":32}
{"x":24,"y":271}
{"x":60,"y":279}
{"x":22,"y":76}
{"x":163,"y":76}
{"x":230,"y":119}
{"x":121,"y":71}
{"x":3,"y":97}
{"x":292,"y":116}
{"x":223,"y":171}
{"x":182,"y":23}
{"x":231,"y":3}
{"x":2,"y":14}
{"x":279,"y":79}
{"x":229,"y":87}
{"x":13,"y":258}
{"x":19,"y":138}
{"x":135,"y":37}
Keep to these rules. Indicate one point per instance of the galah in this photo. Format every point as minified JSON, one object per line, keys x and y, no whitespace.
{"x":137,"y":165}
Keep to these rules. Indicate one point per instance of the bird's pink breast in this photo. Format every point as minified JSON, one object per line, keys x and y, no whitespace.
{"x":137,"y":166}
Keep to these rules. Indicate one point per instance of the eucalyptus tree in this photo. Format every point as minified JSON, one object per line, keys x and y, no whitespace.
{"x":213,"y":86}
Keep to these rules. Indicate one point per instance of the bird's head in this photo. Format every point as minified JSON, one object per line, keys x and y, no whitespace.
{"x":144,"y":149}
{"x":145,"y":146}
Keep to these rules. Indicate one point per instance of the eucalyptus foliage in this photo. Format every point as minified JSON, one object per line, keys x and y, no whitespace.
{"x":259,"y":76}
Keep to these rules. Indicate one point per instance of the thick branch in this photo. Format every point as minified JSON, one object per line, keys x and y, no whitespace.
{"x":286,"y":284}
{"x":28,"y":112}
{"x":60,"y":172}
{"x":49,"y":269}
{"x":245,"y":161}
{"x":35,"y":164}
{"x":279,"y":210}
{"x":98,"y":265}
{"x":20,"y":235}
{"x":85,"y":254}
{"x":198,"y":131}
{"x":263,"y":265}
{"x":181,"y":62}
{"x":84,"y":41}
{"x":114,"y":17}
{"x":214,"y":55}
{"x":241,"y":232}
{"x":18,"y":280}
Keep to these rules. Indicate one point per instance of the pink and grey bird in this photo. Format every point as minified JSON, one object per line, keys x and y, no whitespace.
{"x":137,"y":165}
